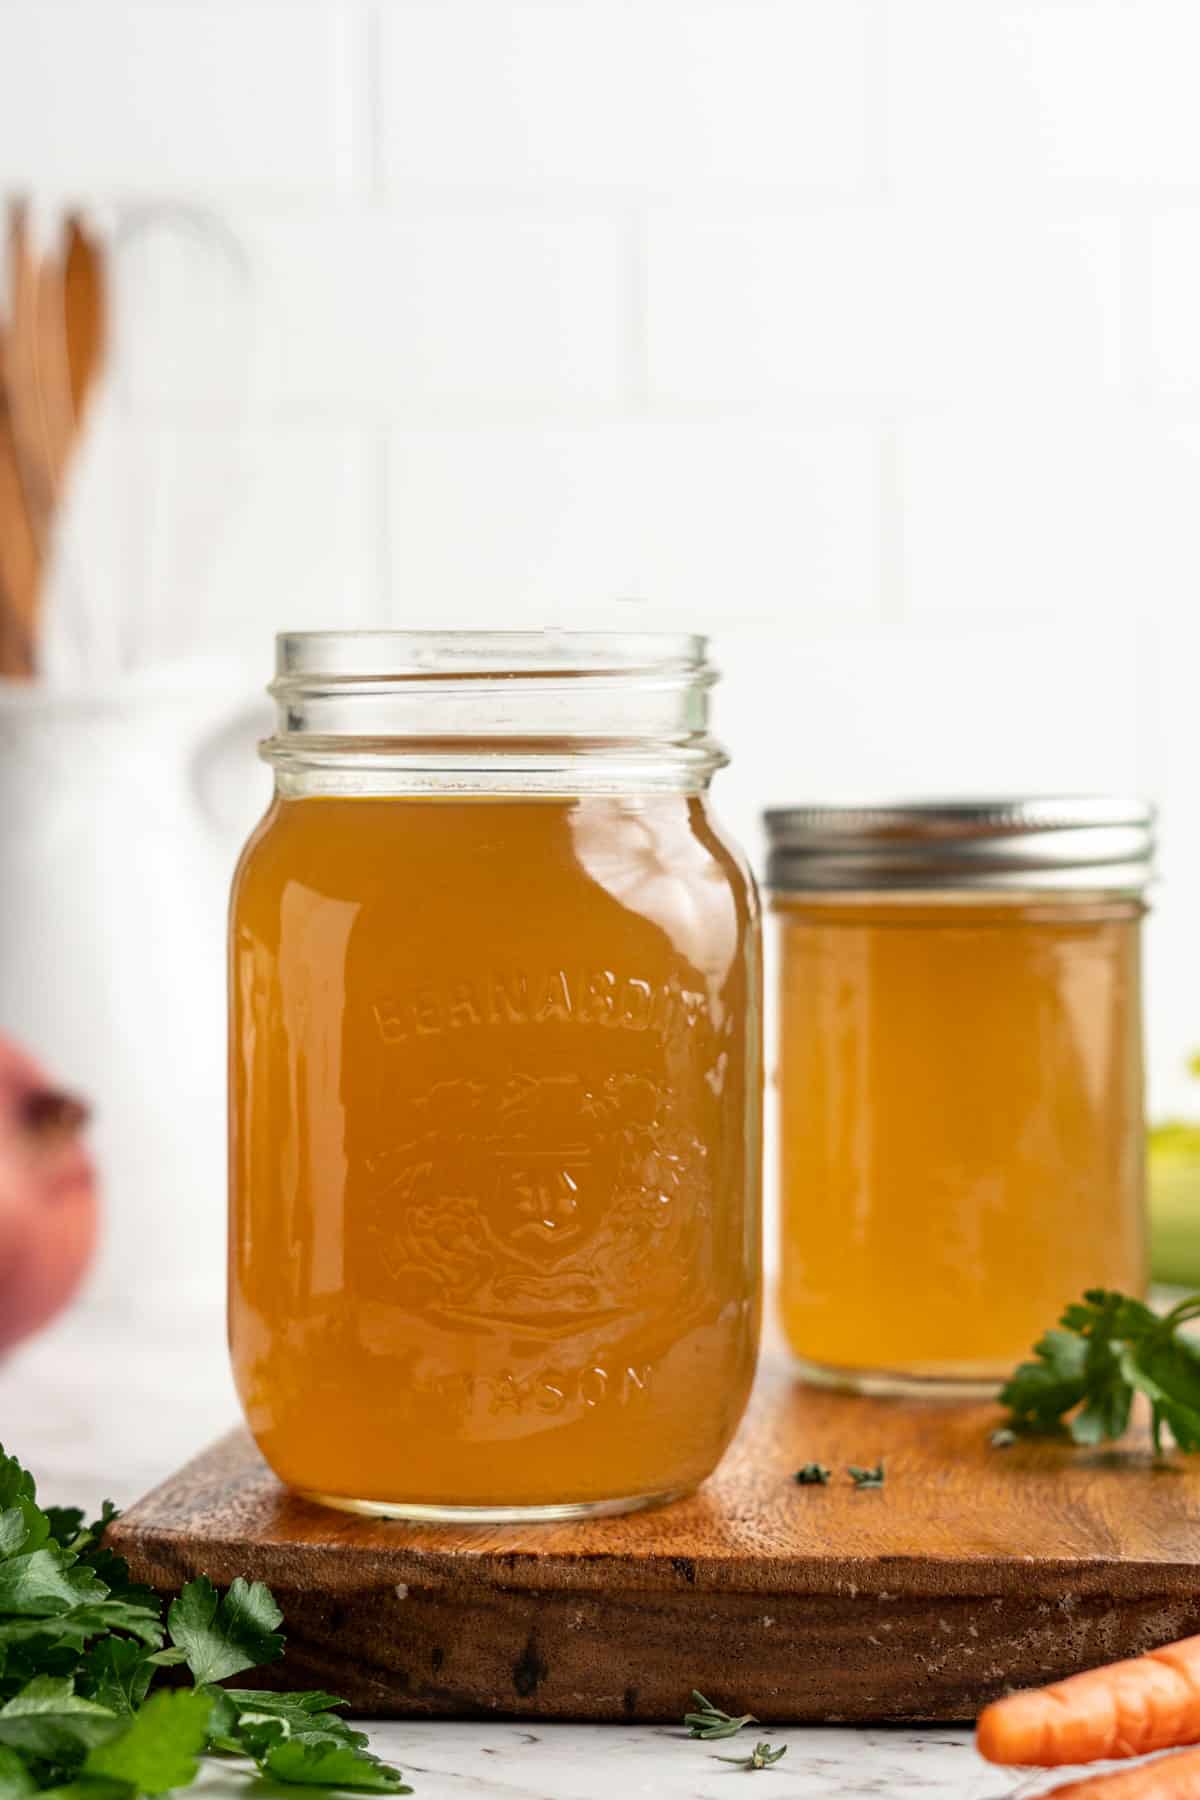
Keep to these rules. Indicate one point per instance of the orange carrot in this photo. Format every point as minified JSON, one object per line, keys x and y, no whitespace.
{"x":1166,"y":1778}
{"x":1125,"y":1709}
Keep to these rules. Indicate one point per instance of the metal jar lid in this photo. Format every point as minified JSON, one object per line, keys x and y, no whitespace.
{"x":1100,"y":841}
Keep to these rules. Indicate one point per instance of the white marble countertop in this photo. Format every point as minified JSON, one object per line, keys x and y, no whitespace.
{"x":107,"y":1407}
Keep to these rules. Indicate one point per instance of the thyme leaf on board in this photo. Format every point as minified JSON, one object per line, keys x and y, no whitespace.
{"x":813,"y":1474}
{"x":761,"y":1757}
{"x":866,"y":1478}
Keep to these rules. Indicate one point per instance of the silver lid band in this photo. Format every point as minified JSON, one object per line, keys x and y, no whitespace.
{"x":1093,"y":842}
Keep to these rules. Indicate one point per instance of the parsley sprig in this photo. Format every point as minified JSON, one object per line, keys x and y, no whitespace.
{"x":81,"y":1647}
{"x":1106,"y":1349}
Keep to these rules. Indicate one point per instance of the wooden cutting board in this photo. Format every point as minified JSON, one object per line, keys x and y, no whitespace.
{"x":972,"y":1570}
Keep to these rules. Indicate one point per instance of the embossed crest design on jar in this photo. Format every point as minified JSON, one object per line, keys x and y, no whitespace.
{"x":495,"y":1079}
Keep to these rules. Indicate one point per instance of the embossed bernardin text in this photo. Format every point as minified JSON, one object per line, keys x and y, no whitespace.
{"x":552,"y":996}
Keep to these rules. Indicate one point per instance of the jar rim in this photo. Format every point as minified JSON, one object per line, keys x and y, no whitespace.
{"x":492,"y":711}
{"x":373,"y":655}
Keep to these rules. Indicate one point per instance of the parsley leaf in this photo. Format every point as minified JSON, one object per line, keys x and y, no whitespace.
{"x":293,"y":1715}
{"x":49,"y":1719}
{"x":15,"y":1779}
{"x":89,"y":1787}
{"x":17,"y":1490}
{"x":222,"y":1636}
{"x":118,"y":1671}
{"x":80,"y":1652}
{"x":159,"y":1745}
{"x":66,"y":1525}
{"x":330,"y":1765}
{"x":1106,"y":1349}
{"x":45,"y":1582}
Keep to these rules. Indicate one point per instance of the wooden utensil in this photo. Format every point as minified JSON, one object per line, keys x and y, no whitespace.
{"x":18,"y":548}
{"x":53,"y":344}
{"x":21,"y":376}
{"x":85,"y":304}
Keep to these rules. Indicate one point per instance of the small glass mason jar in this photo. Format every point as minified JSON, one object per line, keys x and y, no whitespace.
{"x":495,"y":1077}
{"x":960,"y":1079}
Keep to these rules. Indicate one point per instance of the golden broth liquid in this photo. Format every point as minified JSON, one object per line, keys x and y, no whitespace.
{"x":961,"y":1130}
{"x":495,"y":1101}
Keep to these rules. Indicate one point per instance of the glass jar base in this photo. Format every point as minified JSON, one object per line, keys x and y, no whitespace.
{"x":415,"y":1513}
{"x":901,"y":1384}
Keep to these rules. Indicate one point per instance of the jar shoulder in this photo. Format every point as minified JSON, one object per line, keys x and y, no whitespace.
{"x":652,"y":890}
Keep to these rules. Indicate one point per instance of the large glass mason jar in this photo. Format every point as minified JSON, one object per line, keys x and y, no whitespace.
{"x":962,"y":1140}
{"x":495,"y":1079}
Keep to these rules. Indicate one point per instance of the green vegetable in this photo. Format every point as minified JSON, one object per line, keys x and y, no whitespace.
{"x":222,"y":1635}
{"x":812,"y":1475}
{"x":761,"y":1757}
{"x":1105,"y":1350}
{"x":329,"y":1765}
{"x":708,"y":1721}
{"x":1173,"y":1158}
{"x":866,"y":1478}
{"x":82,"y":1646}
{"x":1174,"y":1169}
{"x":158,"y":1746}
{"x":48,"y":1719}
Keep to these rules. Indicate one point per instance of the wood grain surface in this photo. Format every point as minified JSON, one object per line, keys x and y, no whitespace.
{"x":972,"y":1570}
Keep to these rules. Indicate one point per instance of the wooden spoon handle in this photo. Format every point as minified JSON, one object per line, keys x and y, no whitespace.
{"x":86,"y":307}
{"x":19,"y":557}
{"x":53,"y":371}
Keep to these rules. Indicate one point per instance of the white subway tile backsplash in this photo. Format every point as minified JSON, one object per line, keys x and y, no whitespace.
{"x":926,"y":709}
{"x":515,"y":524}
{"x":464,"y":316}
{"x":772,"y":92}
{"x":1005,"y":304}
{"x":1173,"y":275}
{"x":1023,"y":512}
{"x":540,"y":93}
{"x":638,"y":94}
{"x":1012,"y":514}
{"x":879,"y":305}
{"x":169,"y":96}
{"x":750,"y":312}
{"x":298,"y":547}
{"x":1018,"y":93}
{"x":749,"y":522}
{"x":1159,"y":505}
{"x":492,"y":524}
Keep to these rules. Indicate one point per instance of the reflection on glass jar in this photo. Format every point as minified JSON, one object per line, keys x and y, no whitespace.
{"x":960,"y":1079}
{"x":495,"y":1080}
